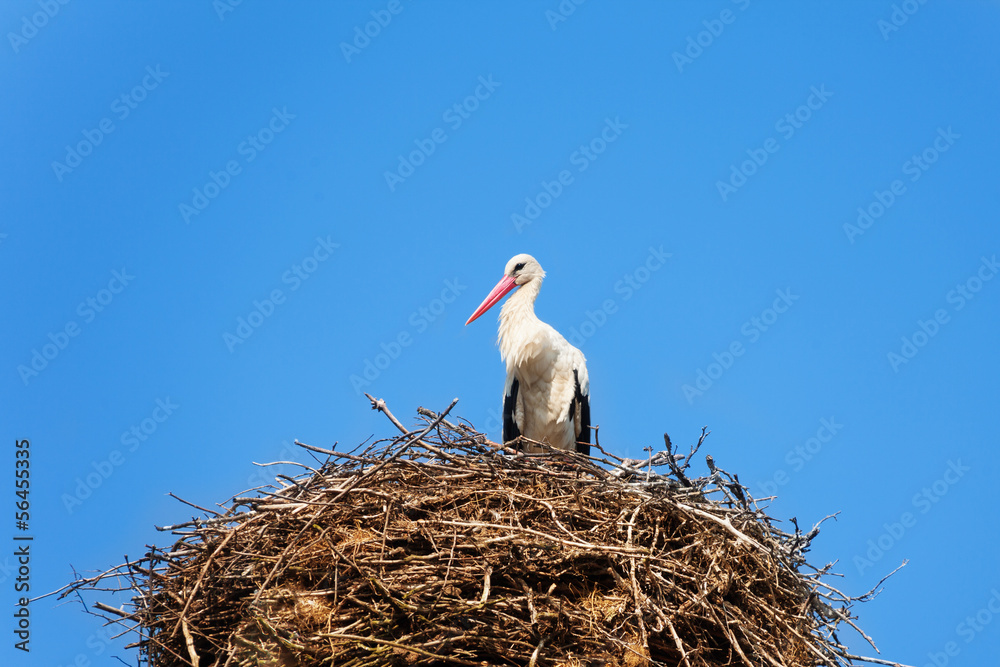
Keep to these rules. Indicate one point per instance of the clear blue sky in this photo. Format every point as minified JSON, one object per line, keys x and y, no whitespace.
{"x":776,"y":220}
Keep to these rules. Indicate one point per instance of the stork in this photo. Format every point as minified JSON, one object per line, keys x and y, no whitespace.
{"x":547,"y":393}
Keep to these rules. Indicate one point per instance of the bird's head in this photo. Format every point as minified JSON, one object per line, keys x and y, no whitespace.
{"x":523,"y":269}
{"x":520,"y":270}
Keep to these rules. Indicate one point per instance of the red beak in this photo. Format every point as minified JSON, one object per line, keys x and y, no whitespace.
{"x":505,"y":285}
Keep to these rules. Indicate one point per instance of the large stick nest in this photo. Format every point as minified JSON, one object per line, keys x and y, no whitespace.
{"x":441,"y":547}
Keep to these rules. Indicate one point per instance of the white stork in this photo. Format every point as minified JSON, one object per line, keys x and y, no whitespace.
{"x":547,"y":393}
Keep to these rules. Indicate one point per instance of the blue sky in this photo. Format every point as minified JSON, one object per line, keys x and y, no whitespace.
{"x":222,"y":222}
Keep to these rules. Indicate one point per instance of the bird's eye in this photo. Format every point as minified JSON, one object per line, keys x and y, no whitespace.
{"x":518,"y":267}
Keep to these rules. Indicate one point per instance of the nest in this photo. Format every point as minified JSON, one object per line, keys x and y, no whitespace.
{"x":439,"y":547}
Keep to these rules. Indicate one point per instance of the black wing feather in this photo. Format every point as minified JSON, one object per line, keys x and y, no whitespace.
{"x":510,"y":430}
{"x":583,"y":440}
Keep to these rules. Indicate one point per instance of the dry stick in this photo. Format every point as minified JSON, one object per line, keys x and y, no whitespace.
{"x":756,"y":641}
{"x":873,"y":592}
{"x":607,"y":453}
{"x":636,"y":593}
{"x":486,"y":584}
{"x":199,"y":523}
{"x":725,"y":523}
{"x":199,"y":507}
{"x":197,"y":584}
{"x":134,"y":628}
{"x":877,"y":661}
{"x":847,"y":619}
{"x":411,"y":439}
{"x":189,"y":641}
{"x":694,"y":449}
{"x":678,"y":643}
{"x":385,"y":530}
{"x":286,"y":503}
{"x":532,"y":612}
{"x":430,"y":413}
{"x":552,"y":511}
{"x":733,"y":641}
{"x":379,"y":404}
{"x":451,"y":558}
{"x":676,"y":469}
{"x":75,"y":585}
{"x":809,"y":644}
{"x":402,"y":647}
{"x":169,"y":650}
{"x":330,"y":452}
{"x":113,"y":610}
{"x":534,"y":654}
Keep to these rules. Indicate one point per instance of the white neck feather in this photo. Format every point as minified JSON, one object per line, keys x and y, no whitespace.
{"x":518,"y":324}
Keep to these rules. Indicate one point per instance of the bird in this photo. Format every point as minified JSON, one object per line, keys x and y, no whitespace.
{"x":546,"y":396}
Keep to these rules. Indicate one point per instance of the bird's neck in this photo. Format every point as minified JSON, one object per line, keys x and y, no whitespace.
{"x":518,"y":322}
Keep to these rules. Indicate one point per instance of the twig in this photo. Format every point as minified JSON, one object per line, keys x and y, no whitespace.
{"x":189,"y":642}
{"x":876,"y":661}
{"x":199,"y":507}
{"x":875,"y":589}
{"x":201,"y":578}
{"x":486,"y":584}
{"x":678,"y":472}
{"x":400,"y":647}
{"x":409,"y":441}
{"x":112,"y":610}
